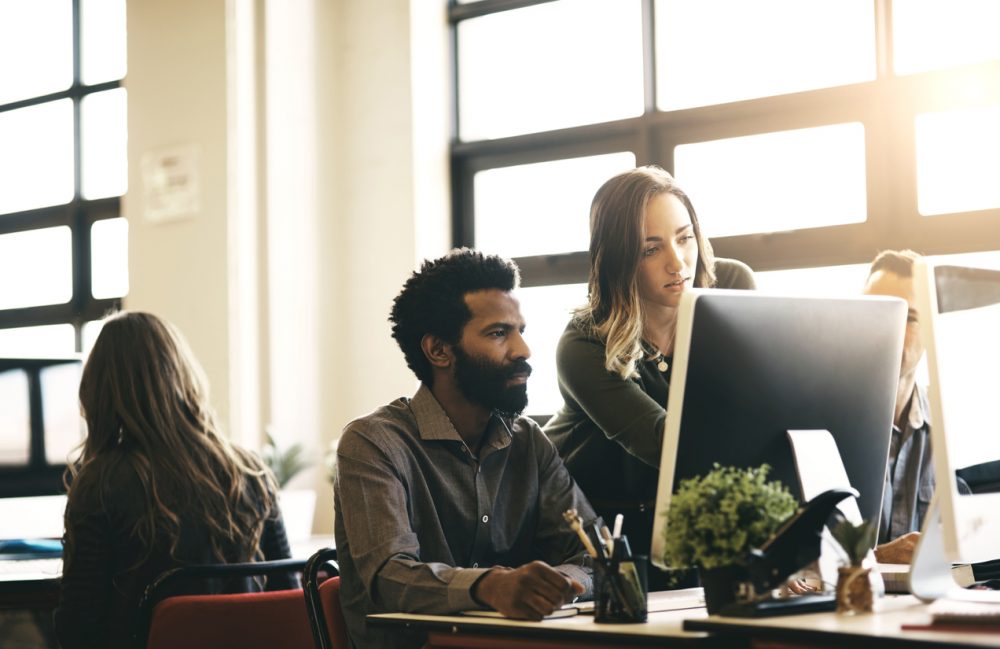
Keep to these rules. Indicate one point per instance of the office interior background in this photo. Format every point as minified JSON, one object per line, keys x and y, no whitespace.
{"x":266,"y":173}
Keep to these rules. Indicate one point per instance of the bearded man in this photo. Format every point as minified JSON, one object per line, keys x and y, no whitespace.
{"x":451,"y":500}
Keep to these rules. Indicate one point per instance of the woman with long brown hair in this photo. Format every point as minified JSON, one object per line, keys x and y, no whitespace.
{"x":615,"y":356}
{"x":156,"y":486}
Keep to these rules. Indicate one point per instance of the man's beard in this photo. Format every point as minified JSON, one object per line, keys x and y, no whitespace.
{"x":485,"y":383}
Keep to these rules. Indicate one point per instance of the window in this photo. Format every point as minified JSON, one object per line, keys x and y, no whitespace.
{"x":809,"y":135}
{"x":63,"y":161}
{"x":63,"y":243}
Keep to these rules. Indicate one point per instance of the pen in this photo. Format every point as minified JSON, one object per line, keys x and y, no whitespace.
{"x":576,"y":525}
{"x":609,"y":541}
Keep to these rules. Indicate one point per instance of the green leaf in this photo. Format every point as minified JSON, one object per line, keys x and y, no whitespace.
{"x":715,"y":519}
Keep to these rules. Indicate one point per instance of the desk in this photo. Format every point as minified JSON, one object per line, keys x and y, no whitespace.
{"x":693,"y":628}
{"x":31,"y":590}
{"x":664,"y":629}
{"x":28,"y":591}
{"x":829,"y":630}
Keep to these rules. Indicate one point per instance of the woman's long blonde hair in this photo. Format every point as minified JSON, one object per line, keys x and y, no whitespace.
{"x":145,"y":401}
{"x":614,"y":309}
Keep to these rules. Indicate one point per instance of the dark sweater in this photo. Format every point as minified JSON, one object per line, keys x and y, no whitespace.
{"x":610,"y":430}
{"x":107,"y":571}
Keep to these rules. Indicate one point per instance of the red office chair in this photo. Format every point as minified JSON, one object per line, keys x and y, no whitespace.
{"x":323,"y":600}
{"x":246,"y":620}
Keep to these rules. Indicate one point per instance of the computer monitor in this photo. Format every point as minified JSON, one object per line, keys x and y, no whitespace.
{"x":40,"y":423}
{"x":748,"y":367}
{"x":959,"y":311}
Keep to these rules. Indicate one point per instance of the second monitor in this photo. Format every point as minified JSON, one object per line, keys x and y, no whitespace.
{"x":748,"y":367}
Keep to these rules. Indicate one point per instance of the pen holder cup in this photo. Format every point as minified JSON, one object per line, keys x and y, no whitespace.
{"x":620,"y":590}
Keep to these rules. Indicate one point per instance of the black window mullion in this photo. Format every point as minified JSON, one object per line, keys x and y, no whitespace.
{"x":886,"y":107}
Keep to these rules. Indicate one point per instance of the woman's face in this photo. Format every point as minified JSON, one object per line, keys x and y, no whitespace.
{"x":669,"y":251}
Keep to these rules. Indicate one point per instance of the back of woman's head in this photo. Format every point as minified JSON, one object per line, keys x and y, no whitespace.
{"x":142,"y":388}
{"x":616,"y":243}
{"x":145,"y":401}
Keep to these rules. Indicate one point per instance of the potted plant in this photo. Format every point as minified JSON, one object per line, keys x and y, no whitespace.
{"x":297,"y":505}
{"x":714,"y":520}
{"x":855,"y":591}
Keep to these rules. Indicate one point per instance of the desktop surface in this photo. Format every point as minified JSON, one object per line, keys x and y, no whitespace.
{"x":694,"y":628}
{"x":882,"y":629}
{"x":664,"y":627}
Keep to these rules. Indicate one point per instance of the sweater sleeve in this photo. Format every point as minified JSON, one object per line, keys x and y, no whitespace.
{"x":274,"y":545}
{"x":734,"y":274}
{"x":619,"y":407}
{"x":81,"y":618}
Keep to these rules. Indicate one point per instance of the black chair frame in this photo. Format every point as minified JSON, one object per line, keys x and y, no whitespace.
{"x":324,"y":560}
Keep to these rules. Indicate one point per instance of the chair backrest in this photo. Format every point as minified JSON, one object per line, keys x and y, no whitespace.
{"x":323,"y":601}
{"x":168,"y":620}
{"x":245,"y":620}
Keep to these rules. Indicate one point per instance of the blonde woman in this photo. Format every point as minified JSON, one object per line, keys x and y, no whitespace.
{"x":156,"y":486}
{"x":614,"y":358}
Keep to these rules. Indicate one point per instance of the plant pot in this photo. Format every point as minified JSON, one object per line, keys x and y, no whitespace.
{"x":722,"y":586}
{"x":854,"y":590}
{"x":297,"y":508}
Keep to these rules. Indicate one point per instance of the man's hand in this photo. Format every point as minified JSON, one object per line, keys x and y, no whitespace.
{"x":530,"y":592}
{"x":899,"y":550}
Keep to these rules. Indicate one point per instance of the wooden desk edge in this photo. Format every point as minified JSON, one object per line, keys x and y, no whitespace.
{"x":593,"y":634}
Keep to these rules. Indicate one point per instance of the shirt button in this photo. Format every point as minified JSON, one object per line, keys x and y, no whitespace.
{"x":486,"y":519}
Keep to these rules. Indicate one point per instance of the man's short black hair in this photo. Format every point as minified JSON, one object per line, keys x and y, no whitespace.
{"x":897,"y":262}
{"x":433,"y":300}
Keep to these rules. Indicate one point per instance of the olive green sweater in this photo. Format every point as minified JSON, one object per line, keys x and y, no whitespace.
{"x":609,"y":430}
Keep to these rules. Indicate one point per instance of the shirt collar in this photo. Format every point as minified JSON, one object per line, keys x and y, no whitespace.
{"x":917,"y":416}
{"x":433,"y":422}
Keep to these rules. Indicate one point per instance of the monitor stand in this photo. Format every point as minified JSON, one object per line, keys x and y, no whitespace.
{"x":931,"y":575}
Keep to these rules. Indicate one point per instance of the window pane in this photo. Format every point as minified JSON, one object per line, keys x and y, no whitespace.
{"x":61,"y":411}
{"x":109,"y":258}
{"x":933,"y":34}
{"x":551,"y":200}
{"x":732,"y":182}
{"x":815,"y":282}
{"x":549,"y":66}
{"x":36,"y":48}
{"x":47,"y":340}
{"x":958,"y":160}
{"x":989,"y":259}
{"x":15,"y":418}
{"x":102,"y":40}
{"x":546,"y":310}
{"x":41,"y":260}
{"x":716,"y":51}
{"x":91,"y":331}
{"x":36,"y":156}
{"x":104,"y":139}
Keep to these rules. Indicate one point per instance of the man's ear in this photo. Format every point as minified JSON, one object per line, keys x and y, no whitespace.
{"x":437,"y":351}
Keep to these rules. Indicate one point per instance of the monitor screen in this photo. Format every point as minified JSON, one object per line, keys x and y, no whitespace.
{"x":749,"y":367}
{"x":960,"y":317}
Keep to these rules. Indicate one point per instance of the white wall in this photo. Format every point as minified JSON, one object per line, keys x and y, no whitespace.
{"x":352,"y":128}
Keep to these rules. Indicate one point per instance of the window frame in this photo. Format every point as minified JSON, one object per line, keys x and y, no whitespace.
{"x":886,"y":107}
{"x":39,"y":477}
{"x":79,"y":215}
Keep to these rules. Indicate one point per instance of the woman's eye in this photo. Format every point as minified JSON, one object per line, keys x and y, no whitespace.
{"x":686,"y":238}
{"x":648,"y":252}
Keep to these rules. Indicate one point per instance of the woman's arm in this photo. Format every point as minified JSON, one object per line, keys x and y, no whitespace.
{"x":619,"y":407}
{"x":81,"y":620}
